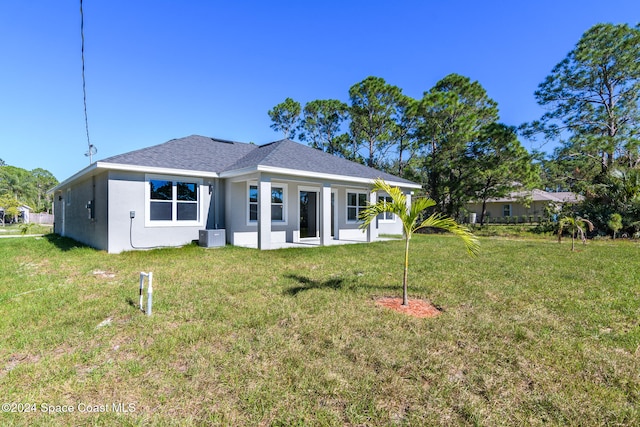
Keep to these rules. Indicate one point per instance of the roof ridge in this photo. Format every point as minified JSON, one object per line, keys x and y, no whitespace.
{"x":274,"y":147}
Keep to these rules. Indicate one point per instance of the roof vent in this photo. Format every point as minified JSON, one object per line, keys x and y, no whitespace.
{"x":222,"y":140}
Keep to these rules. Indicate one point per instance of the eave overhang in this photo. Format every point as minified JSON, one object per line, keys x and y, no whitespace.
{"x":104,"y":166}
{"x":317,"y":175}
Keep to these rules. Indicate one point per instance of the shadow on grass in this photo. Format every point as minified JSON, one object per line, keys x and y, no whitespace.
{"x":64,"y":243}
{"x":132,"y":303}
{"x":307,"y":284}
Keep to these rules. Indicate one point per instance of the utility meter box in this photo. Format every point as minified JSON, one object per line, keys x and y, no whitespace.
{"x":212,"y":238}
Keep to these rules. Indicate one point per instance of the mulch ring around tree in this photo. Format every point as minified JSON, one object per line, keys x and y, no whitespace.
{"x":417,"y":307}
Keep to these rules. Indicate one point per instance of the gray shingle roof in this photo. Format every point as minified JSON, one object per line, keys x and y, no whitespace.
{"x":540,"y":196}
{"x":200,"y":153}
{"x":289,"y":154}
{"x":194,"y":152}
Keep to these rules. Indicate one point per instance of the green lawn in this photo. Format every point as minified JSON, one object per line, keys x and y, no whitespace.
{"x":531,"y":334}
{"x":16,"y":229}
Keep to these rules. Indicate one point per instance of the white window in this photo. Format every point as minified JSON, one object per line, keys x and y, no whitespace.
{"x":506,"y":210}
{"x":278,"y":200}
{"x":356,"y":203}
{"x":277,"y":204}
{"x":386,"y":216}
{"x":253,"y":203}
{"x":173,"y":201}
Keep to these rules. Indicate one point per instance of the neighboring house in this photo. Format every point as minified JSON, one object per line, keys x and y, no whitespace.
{"x":532,"y":205}
{"x":23,"y":213}
{"x":262,"y":196}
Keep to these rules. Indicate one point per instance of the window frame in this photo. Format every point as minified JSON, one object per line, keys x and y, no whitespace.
{"x":284,"y":204}
{"x":357,"y":206}
{"x":387,"y":217}
{"x":507,"y":205}
{"x":174,"y":222}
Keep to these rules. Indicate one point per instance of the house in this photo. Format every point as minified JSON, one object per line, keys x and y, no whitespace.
{"x":25,"y":211}
{"x":264,"y":196}
{"x":23,"y":214}
{"x":530,"y":205}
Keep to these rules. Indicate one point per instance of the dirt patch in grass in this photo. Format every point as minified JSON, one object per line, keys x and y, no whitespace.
{"x":15,"y":360}
{"x":417,"y":307}
{"x":103,"y":274}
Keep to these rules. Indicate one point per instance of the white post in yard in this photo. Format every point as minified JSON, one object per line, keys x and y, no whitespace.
{"x":141,"y":287}
{"x":149,"y":293}
{"x":149,"y":275}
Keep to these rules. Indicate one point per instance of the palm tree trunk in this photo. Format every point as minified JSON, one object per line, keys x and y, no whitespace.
{"x":405,"y":298}
{"x":573,"y":238}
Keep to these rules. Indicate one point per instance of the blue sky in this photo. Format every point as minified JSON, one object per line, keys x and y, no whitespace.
{"x":157,"y":70}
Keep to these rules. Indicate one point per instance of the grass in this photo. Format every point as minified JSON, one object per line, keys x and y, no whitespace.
{"x":529,"y":231}
{"x":16,"y":229}
{"x":531,"y":334}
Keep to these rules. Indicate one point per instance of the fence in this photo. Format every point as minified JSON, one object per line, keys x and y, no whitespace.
{"x":41,"y":218}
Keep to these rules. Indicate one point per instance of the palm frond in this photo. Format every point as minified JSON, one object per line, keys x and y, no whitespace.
{"x":589,"y":223}
{"x":368,"y":214}
{"x":581,"y":224}
{"x":397,"y":206}
{"x":420,"y":204}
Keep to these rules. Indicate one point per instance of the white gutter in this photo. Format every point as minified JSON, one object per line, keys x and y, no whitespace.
{"x":307,"y":174}
{"x":156,"y":170}
{"x":132,"y":168}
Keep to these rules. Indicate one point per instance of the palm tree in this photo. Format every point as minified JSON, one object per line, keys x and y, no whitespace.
{"x":576,"y":226}
{"x":410,"y":217}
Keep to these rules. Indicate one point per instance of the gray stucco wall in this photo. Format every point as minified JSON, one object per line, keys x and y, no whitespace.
{"x":390,"y":227}
{"x":216,"y":212}
{"x":126,"y":194}
{"x":235,"y":209}
{"x":223,"y":204}
{"x":239,"y":232}
{"x":348,"y":230}
{"x":242,"y":232}
{"x":71,"y":216}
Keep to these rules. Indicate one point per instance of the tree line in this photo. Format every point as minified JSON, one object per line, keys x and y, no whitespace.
{"x":23,"y":187}
{"x":452,"y":142}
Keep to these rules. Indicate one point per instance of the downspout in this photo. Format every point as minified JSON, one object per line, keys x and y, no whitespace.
{"x":213,"y":192}
{"x":215,"y":204}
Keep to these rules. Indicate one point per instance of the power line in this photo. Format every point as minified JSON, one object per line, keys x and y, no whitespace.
{"x":92,"y":149}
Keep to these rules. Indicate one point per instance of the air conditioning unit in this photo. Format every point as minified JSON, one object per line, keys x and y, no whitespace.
{"x":212,"y":238}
